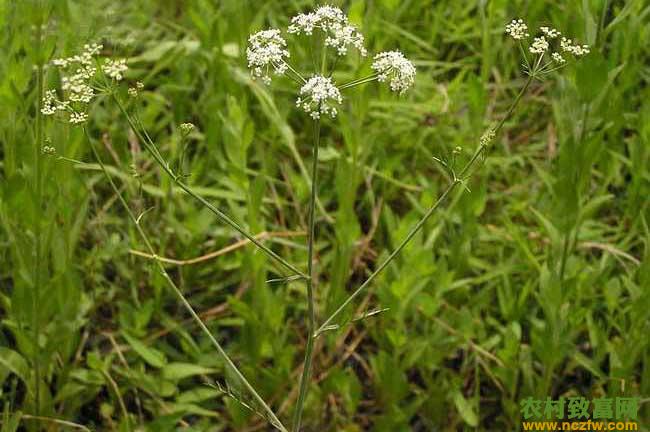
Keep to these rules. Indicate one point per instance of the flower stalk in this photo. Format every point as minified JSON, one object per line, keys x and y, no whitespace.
{"x":161,"y":268}
{"x":38,"y":187}
{"x":311,"y":309}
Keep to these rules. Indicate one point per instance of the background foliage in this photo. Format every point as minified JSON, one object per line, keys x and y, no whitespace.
{"x":537,"y":283}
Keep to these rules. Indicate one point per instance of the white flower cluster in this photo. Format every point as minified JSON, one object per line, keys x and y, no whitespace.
{"x":577,"y":50}
{"x":339,"y":33}
{"x":267,"y":50}
{"x":51,"y":104}
{"x":77,"y":73}
{"x":319,"y":96}
{"x":394,"y":67}
{"x":78,"y":117}
{"x":115,"y":68}
{"x":550,"y":32}
{"x":557,"y":58}
{"x":135,"y":91}
{"x":75,"y":85}
{"x":186,"y":128}
{"x":539,"y":45}
{"x":84,"y":59}
{"x":517,"y":29}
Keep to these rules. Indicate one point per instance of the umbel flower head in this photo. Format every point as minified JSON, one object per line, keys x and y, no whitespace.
{"x":320,"y":95}
{"x":547,"y":54}
{"x":339,"y":33}
{"x":392,"y":66}
{"x":267,"y":51}
{"x":115,"y":68}
{"x":77,"y":74}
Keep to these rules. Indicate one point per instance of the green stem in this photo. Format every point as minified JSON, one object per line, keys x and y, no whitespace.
{"x":328,"y":322}
{"x":272,"y":417}
{"x":358,"y":81}
{"x":151,"y":147}
{"x":36,"y":324}
{"x":304,"y":379}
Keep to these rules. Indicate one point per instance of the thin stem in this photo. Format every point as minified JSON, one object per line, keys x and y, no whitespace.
{"x":55,"y":421}
{"x":153,"y":150}
{"x":291,"y":68}
{"x":336,"y":62}
{"x":276,"y":422}
{"x":36,"y":324}
{"x":304,"y":379}
{"x":524,"y":55}
{"x":358,"y":81}
{"x":548,"y":71}
{"x":296,"y":77}
{"x":601,"y":26}
{"x":457,"y":180}
{"x":383,"y":265}
{"x":498,"y":127}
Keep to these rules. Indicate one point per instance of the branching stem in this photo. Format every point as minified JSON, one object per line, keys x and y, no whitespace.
{"x":418,"y":226}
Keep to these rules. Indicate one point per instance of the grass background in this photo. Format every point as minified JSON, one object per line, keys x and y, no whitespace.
{"x":537,"y":283}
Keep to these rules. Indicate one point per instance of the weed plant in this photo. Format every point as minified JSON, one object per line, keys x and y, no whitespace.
{"x":441,"y":281}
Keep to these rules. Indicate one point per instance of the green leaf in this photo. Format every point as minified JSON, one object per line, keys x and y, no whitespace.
{"x":12,"y":362}
{"x":151,"y":355}
{"x":465,"y":409}
{"x":178,"y":371}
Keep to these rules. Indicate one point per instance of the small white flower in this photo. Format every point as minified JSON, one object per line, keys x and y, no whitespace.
{"x":517,"y":29}
{"x":186,"y":128}
{"x":394,"y":67}
{"x":62,"y":62}
{"x":576,"y":50}
{"x":322,"y":18}
{"x":319,"y":96}
{"x":77,"y":85}
{"x":134,"y":92}
{"x":339,"y":33}
{"x":550,"y":32}
{"x":48,"y":105}
{"x":539,"y":45}
{"x":78,"y":117}
{"x":340,"y":37}
{"x":557,"y":57}
{"x":115,"y":68}
{"x":83,"y":59}
{"x":92,"y":49}
{"x":266,"y":50}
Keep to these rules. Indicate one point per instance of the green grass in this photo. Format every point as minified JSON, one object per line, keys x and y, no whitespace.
{"x":537,"y":283}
